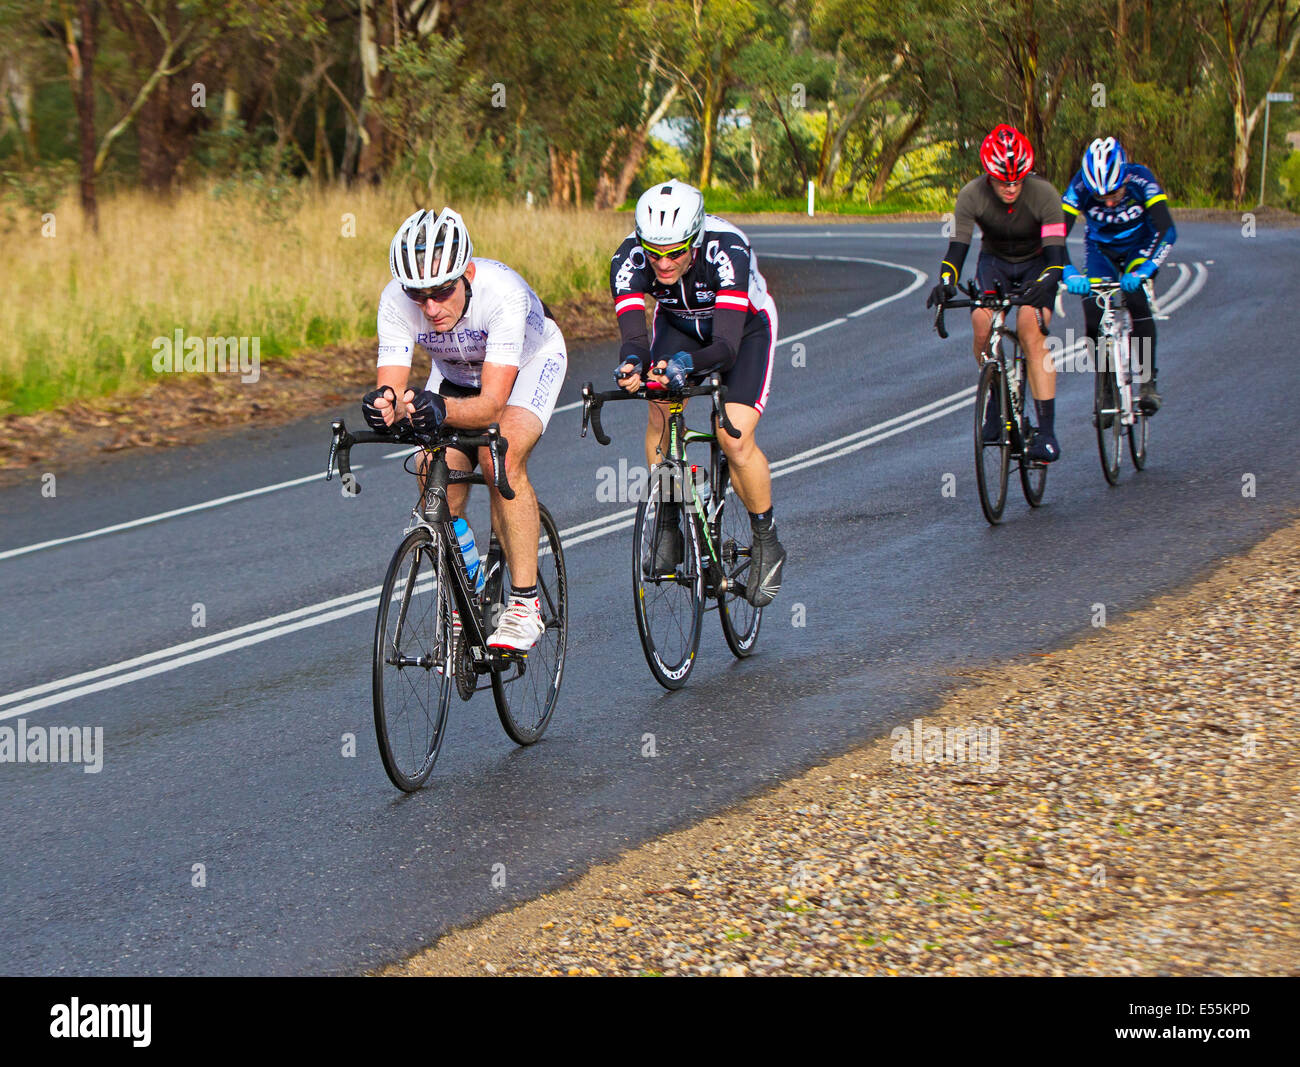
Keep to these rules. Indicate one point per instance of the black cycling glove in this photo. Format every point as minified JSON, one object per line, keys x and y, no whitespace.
{"x":375,"y":417}
{"x":428,"y":410}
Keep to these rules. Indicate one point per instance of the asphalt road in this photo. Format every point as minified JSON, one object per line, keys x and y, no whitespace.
{"x":224,"y":745}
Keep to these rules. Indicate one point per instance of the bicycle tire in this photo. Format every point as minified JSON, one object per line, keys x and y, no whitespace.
{"x":1033,"y":474}
{"x":525,"y":711}
{"x":669,"y":656}
{"x":410,"y":738}
{"x":732,"y":537}
{"x":992,"y":383}
{"x":1106,"y":407}
{"x":1138,"y":437}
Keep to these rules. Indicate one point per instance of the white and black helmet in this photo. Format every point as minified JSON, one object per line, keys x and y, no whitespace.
{"x":670,"y":213}
{"x":430,"y":250}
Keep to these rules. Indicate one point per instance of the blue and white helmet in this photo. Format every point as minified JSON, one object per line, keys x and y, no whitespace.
{"x":1104,"y":166}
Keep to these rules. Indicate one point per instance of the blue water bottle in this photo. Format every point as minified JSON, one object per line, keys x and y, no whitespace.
{"x":469,"y":550}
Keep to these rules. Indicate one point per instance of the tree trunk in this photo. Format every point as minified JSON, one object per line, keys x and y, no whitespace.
{"x":376,"y":34}
{"x":891,"y":153}
{"x":88,"y":12}
{"x":610,"y":192}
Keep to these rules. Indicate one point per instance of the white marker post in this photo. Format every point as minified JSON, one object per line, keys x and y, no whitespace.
{"x":810,"y":199}
{"x":1269,"y":101}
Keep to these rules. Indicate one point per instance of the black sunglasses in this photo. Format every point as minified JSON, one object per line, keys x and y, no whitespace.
{"x":438,"y":293}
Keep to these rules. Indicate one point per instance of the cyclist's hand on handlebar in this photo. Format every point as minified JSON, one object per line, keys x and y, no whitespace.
{"x":1041,"y":292}
{"x":941,"y":294}
{"x":1132,"y":281}
{"x":628,"y":374}
{"x":378,"y":408}
{"x":1076,"y":281}
{"x":674,"y":370}
{"x":427,"y":410}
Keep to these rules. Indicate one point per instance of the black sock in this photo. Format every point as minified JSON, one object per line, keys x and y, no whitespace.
{"x":761,"y":520}
{"x":524,"y":594}
{"x":1046,"y":415}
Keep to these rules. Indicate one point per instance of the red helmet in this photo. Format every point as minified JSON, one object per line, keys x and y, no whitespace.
{"x":1007,"y":154}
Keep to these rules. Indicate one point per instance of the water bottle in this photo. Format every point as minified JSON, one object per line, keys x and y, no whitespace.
{"x":469,"y":551}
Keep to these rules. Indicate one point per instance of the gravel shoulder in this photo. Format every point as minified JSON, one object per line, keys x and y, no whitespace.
{"x":1137,"y":812}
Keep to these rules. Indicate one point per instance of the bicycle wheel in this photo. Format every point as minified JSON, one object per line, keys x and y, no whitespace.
{"x":412,"y":669}
{"x":1137,"y":441}
{"x":526,"y":689}
{"x":993,"y":460}
{"x":732,"y":537}
{"x":669,"y":607}
{"x":1107,"y":414}
{"x":1033,"y":474}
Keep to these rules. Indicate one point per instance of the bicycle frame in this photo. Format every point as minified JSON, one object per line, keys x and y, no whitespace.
{"x":1116,"y":330}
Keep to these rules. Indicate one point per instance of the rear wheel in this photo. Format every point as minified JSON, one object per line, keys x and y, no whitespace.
{"x":1106,"y":410}
{"x":1137,"y":441}
{"x":412,"y":666}
{"x":670,"y":605}
{"x":732,"y":537}
{"x":526,"y":688}
{"x":992,"y":459}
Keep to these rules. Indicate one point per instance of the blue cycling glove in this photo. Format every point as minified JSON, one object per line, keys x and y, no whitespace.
{"x":679,"y":366}
{"x":1076,"y":281}
{"x":619,"y":373}
{"x":1132,"y":281}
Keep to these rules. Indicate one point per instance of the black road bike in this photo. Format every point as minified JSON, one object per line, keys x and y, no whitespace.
{"x":716,"y":540}
{"x":1003,"y":384}
{"x":432,"y":628}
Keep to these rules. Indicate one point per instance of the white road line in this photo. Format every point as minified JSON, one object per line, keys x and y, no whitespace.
{"x":12,"y":552}
{"x":340,"y":607}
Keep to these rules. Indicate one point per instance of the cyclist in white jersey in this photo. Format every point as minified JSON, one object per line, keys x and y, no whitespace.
{"x":498,"y":356}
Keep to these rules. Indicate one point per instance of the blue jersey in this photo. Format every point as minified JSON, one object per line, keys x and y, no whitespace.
{"x":1128,"y":223}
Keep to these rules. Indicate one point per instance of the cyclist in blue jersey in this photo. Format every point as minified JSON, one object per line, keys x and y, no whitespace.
{"x":1129,"y":233}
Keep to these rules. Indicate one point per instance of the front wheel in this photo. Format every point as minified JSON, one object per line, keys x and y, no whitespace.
{"x":1033,"y":473}
{"x":526,"y":688}
{"x":669,"y":602}
{"x":1137,"y":441}
{"x":1107,"y":414}
{"x":732,"y":537}
{"x":412,"y":667}
{"x":992,"y":458}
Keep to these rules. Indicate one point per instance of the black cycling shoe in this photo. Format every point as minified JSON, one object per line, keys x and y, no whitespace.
{"x":1044,"y":448}
{"x":1149,"y":400}
{"x":668,"y":545}
{"x":766,"y":561}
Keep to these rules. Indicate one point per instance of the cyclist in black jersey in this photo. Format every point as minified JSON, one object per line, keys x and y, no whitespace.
{"x":1023,"y":252}
{"x":712,"y":313}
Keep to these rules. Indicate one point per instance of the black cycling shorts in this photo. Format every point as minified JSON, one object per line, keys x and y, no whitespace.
{"x":749,"y":381}
{"x":992,"y":273}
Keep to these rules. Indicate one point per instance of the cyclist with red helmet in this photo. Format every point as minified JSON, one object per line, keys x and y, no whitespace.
{"x":1022,"y":228}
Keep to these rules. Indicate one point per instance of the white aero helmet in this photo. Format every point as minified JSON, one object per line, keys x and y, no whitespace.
{"x":670,"y":213}
{"x":429,"y":250}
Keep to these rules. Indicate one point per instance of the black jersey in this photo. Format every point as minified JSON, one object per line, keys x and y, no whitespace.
{"x":713,"y":301}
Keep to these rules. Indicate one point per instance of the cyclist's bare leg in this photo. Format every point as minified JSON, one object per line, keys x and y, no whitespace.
{"x":516,"y":521}
{"x":749,"y":470}
{"x":656,"y":433}
{"x":981,"y":321}
{"x":1042,"y":369}
{"x":458,"y":494}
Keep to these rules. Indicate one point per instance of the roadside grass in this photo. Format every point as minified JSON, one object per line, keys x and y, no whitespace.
{"x":294,"y":267}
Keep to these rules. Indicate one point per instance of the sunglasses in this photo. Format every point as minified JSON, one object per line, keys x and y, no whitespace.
{"x":1009,"y":185}
{"x":438,"y":293}
{"x":670,"y":253}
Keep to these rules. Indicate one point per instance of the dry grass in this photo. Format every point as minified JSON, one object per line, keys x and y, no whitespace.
{"x":81,"y":313}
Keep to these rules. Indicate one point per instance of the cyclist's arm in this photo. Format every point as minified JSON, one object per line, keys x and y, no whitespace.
{"x":1052,"y":229}
{"x":475,"y":412}
{"x":963,"y":233}
{"x":630,"y":309}
{"x":1162,"y":220}
{"x":720,"y":353}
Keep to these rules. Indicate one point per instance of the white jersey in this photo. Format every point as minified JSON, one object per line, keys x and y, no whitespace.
{"x":505,"y":323}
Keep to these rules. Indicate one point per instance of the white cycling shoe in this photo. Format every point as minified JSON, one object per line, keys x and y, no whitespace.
{"x":520,"y":626}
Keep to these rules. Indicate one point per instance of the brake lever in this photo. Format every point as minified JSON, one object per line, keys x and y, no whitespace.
{"x":497,"y":446}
